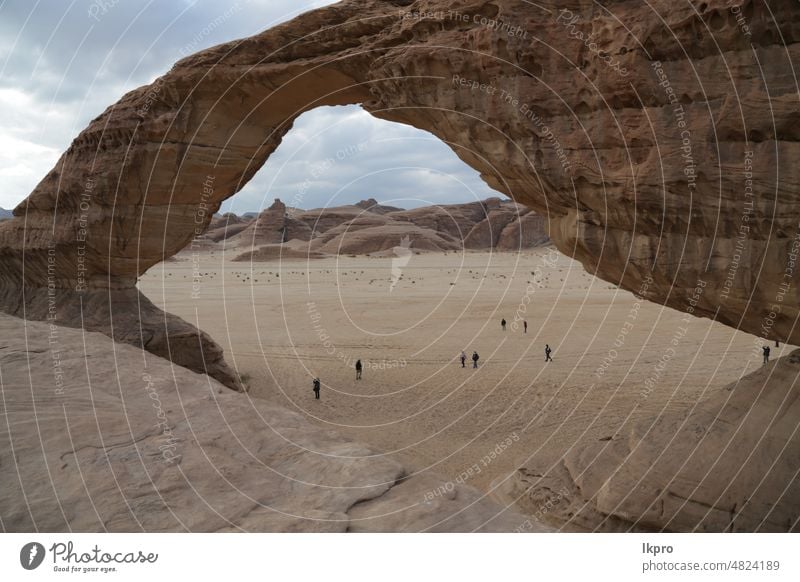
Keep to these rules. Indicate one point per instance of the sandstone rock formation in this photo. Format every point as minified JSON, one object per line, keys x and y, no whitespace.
{"x":372,"y":205}
{"x":321,"y":220}
{"x":661,"y":149}
{"x":526,"y":231}
{"x":659,"y":138}
{"x":729,"y":463}
{"x":225,"y":226}
{"x":368,"y":227}
{"x":272,"y":226}
{"x":457,"y":220}
{"x":105,"y":437}
{"x":486,"y":234}
{"x":376,"y":239}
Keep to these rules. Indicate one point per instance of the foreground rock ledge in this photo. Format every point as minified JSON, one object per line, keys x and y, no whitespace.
{"x":672,"y":169}
{"x":730,"y":464}
{"x":112,"y":438}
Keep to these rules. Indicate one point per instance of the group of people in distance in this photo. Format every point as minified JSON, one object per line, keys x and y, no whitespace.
{"x":547,"y":349}
{"x":316,"y":384}
{"x":475,"y":357}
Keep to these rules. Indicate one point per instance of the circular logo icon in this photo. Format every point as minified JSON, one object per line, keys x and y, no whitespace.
{"x":31,"y":555}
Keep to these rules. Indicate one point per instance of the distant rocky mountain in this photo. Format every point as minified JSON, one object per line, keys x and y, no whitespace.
{"x":369,"y":228}
{"x":4,"y":214}
{"x":227,"y":225}
{"x":372,"y":205}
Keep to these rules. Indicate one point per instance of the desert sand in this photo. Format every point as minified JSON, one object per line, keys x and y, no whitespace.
{"x":283,"y":322}
{"x":105,"y":437}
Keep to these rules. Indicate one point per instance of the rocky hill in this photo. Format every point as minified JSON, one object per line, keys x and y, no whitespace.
{"x":368,"y":227}
{"x":372,"y":205}
{"x":5,"y":214}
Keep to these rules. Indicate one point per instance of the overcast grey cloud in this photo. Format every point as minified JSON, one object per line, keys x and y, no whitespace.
{"x":62,"y":62}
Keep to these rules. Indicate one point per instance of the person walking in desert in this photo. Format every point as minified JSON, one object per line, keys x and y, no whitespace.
{"x":524,"y":326}
{"x":765,"y":351}
{"x":316,"y":388}
{"x":463,"y":359}
{"x":547,"y":352}
{"x":503,"y":323}
{"x":475,"y":358}
{"x":358,"y":369}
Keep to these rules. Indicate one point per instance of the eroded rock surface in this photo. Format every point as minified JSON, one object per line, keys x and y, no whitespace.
{"x":372,"y":205}
{"x":729,"y":463}
{"x":367,"y":228}
{"x":225,"y":226}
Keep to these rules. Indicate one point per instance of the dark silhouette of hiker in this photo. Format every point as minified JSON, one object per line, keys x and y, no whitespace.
{"x":358,"y":369}
{"x":503,"y":323}
{"x":475,"y":358}
{"x":463,"y":359}
{"x":777,"y":344}
{"x":525,"y":326}
{"x":765,"y":349}
{"x":547,"y":352}
{"x":316,"y":388}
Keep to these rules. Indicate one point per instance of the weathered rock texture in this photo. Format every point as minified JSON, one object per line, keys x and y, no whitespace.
{"x":675,"y":163}
{"x":367,"y":227}
{"x":730,"y":463}
{"x":372,"y":205}
{"x":225,"y":226}
{"x":101,"y":436}
{"x":269,"y":228}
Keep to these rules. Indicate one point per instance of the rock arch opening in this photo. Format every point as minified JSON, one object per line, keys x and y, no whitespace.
{"x":316,"y":199}
{"x":336,"y":156}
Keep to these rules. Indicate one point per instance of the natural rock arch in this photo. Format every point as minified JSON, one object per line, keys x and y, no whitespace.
{"x":664,"y":197}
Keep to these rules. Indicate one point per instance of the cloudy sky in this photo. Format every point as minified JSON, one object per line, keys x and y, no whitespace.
{"x":62,"y":62}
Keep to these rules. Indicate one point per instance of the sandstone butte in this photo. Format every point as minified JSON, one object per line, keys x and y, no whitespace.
{"x":367,"y":227}
{"x":661,"y":153}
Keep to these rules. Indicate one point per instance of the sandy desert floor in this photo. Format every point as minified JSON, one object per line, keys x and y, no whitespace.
{"x":282,"y":323}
